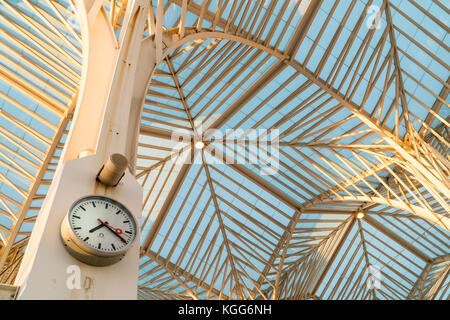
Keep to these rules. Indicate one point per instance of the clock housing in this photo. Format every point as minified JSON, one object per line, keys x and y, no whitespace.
{"x":98,"y":230}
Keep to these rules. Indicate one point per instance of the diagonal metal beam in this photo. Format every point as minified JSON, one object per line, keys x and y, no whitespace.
{"x":334,"y":254}
{"x":159,"y":220}
{"x":37,"y":182}
{"x":173,"y":268}
{"x":303,"y":27}
{"x":438,"y":284}
{"x":419,"y":285}
{"x":383,"y":229}
{"x":156,"y":132}
{"x":437,"y":105}
{"x":259,"y":85}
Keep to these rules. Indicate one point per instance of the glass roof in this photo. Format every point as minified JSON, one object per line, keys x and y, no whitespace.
{"x":351,"y":95}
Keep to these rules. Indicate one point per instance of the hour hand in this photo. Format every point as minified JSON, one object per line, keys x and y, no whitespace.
{"x":97,"y":227}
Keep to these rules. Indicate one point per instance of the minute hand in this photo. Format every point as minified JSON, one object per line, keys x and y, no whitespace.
{"x":113,"y":231}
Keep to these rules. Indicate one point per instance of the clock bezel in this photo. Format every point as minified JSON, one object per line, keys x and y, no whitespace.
{"x":86,"y":253}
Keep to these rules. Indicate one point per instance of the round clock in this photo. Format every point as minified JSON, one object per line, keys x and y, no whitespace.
{"x":98,"y":230}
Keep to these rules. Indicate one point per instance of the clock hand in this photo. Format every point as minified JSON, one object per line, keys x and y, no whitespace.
{"x":116,"y":230}
{"x":97,"y":227}
{"x":113,"y":230}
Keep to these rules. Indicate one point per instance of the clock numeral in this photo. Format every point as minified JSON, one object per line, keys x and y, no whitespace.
{"x":118,"y":211}
{"x":82,"y":208}
{"x":106,"y":205}
{"x":77,"y":228}
{"x":93,"y":203}
{"x":126,"y":221}
{"x":85,"y":239}
{"x":99,"y":245}
{"x":76,"y":216}
{"x":113,"y":246}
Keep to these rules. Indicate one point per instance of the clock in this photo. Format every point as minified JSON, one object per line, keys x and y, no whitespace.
{"x":98,"y":230}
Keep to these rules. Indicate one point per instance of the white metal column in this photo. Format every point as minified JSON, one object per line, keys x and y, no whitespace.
{"x":106,"y":121}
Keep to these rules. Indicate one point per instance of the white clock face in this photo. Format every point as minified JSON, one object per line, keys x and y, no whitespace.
{"x":102,"y":224}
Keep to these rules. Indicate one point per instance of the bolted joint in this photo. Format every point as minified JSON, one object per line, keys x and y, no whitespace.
{"x":113,"y":170}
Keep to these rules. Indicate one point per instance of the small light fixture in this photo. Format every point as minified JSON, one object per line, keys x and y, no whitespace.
{"x":199,"y":144}
{"x":359,"y":215}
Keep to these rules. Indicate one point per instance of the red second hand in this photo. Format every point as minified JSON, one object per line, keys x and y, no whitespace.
{"x":117,"y":231}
